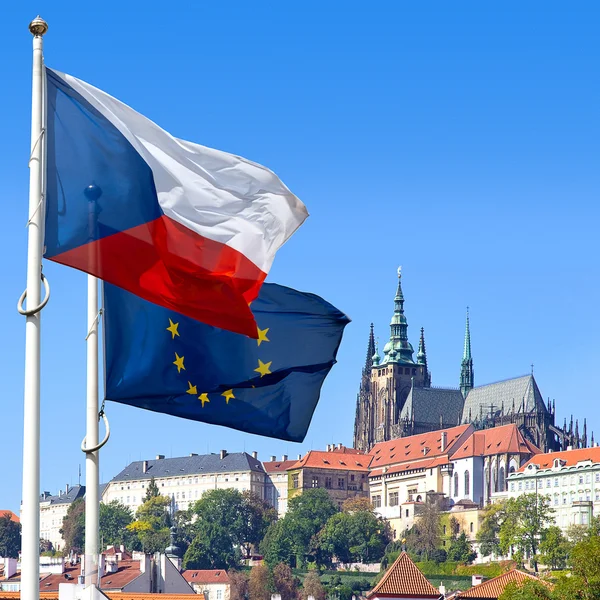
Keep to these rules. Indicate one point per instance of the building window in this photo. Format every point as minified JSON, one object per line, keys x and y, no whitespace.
{"x":548,"y":483}
{"x":471,"y":527}
{"x":520,"y":485}
{"x":588,"y":478}
{"x":527,"y":485}
{"x":597,"y":479}
{"x":512,"y":487}
{"x":580,"y":479}
{"x":501,"y":480}
{"x":467,"y":483}
{"x":315,"y":482}
{"x":219,"y":594}
{"x":444,"y":530}
{"x":295,"y":481}
{"x":341,"y":483}
{"x":393,"y":499}
{"x":328,"y":483}
{"x":407,"y":513}
{"x":352,"y":477}
{"x":455,"y":485}
{"x":377,"y":501}
{"x":556,"y":482}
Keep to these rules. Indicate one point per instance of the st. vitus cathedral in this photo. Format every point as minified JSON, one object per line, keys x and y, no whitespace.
{"x":396,"y":398}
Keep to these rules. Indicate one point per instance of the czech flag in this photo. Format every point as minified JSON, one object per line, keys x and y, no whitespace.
{"x":189,"y":228}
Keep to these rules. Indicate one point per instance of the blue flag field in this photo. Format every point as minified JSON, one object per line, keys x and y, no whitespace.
{"x":162,"y":361}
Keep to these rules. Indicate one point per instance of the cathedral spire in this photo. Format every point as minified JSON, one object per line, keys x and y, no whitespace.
{"x":422,"y":358}
{"x":467,"y":375}
{"x":370,"y":350}
{"x":399,"y":349}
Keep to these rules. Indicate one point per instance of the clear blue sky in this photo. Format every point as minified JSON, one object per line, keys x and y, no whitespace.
{"x":458,"y":140}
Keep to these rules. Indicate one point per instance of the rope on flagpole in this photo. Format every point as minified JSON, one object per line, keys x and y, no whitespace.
{"x":29,"y":312}
{"x":96,"y":320}
{"x":102,"y":415}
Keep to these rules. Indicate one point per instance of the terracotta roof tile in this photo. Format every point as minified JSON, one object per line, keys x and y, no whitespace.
{"x":497,"y":440}
{"x":570,"y":458}
{"x":276,"y":466}
{"x":11,"y":514}
{"x":338,"y":459}
{"x":403,"y":579}
{"x":416,"y":448}
{"x":492,"y":589}
{"x":205,"y":576}
{"x":111,"y":595}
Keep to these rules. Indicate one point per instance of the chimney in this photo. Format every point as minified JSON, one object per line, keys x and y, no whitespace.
{"x":160,"y":456}
{"x":476,"y":580}
{"x":10,"y":567}
{"x":193,"y":454}
{"x":255,"y":455}
{"x":145,"y":466}
{"x":444,"y":442}
{"x":340,"y":446}
{"x":328,"y":447}
{"x":299,"y":456}
{"x":284,"y":458}
{"x":569,"y":447}
{"x":223,"y":454}
{"x":59,"y":493}
{"x":67,"y":488}
{"x":273,"y":458}
{"x":101,"y":565}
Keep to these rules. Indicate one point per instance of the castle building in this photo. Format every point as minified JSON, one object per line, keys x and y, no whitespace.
{"x":396,"y":399}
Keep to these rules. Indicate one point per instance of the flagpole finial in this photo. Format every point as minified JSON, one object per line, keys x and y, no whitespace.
{"x":38,"y":26}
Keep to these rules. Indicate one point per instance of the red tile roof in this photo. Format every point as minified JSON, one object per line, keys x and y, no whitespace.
{"x":11,"y":514}
{"x":341,"y":460}
{"x":404,"y":580}
{"x":492,"y":589}
{"x":498,"y":440}
{"x":418,"y":451}
{"x":570,"y":458}
{"x":277,"y":466}
{"x":205,"y":577}
{"x":111,"y":595}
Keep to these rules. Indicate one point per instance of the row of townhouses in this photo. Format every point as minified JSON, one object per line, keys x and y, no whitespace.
{"x":464,"y":467}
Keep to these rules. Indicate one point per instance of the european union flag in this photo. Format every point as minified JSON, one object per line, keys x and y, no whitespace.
{"x":162,"y":361}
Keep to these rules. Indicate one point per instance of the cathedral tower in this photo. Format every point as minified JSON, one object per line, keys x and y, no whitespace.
{"x":467,"y":375}
{"x":390,"y":379}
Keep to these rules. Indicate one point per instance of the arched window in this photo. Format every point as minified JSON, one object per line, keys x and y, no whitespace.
{"x":501,"y":480}
{"x":455,"y":485}
{"x":467,"y":484}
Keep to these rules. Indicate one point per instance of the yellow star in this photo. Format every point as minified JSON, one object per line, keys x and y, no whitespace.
{"x":228,"y":395}
{"x":262,"y":335}
{"x":203,"y":398}
{"x":263,"y":368}
{"x":192,"y":389}
{"x":178,"y":362}
{"x":173,"y":329}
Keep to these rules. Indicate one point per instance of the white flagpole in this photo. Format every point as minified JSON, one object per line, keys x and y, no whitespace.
{"x":92,"y":449}
{"x":30,"y":538}
{"x":92,"y":481}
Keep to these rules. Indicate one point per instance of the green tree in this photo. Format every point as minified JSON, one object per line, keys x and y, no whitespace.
{"x":277,"y":545}
{"x":284,"y":582}
{"x":312,"y":586}
{"x":257,"y":515}
{"x":151,"y":527}
{"x":224,"y":520}
{"x":307,"y":514}
{"x":238,"y":585}
{"x":554,"y":548}
{"x":525,"y":523}
{"x":152,"y":490}
{"x":584,"y":582}
{"x":461,"y":550}
{"x":488,"y":535}
{"x":356,"y":536}
{"x":10,"y":537}
{"x":258,"y":584}
{"x":428,"y":529}
{"x":114,"y":518}
{"x":73,"y":527}
{"x":530,"y":589}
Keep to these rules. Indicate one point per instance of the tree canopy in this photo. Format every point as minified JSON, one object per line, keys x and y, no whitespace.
{"x":10,"y":537}
{"x":73,"y":527}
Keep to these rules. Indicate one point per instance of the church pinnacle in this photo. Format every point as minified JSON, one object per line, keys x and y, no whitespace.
{"x":399,"y":349}
{"x":422,"y":358}
{"x":467,"y":375}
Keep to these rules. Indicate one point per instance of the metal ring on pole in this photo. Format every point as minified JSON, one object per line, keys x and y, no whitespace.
{"x":32,"y":311}
{"x":91,"y":450}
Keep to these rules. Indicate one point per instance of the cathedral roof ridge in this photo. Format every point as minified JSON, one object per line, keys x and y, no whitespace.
{"x":526,"y":376}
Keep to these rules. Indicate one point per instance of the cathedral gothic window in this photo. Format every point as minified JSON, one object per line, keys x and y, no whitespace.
{"x":467,"y":483}
{"x":501,"y":480}
{"x":456,"y":484}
